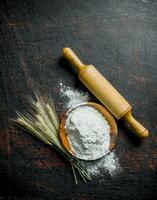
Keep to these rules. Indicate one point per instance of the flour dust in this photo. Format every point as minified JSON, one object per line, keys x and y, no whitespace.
{"x":74,"y":97}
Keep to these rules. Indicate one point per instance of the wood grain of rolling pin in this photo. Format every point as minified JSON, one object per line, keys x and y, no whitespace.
{"x":105,"y":92}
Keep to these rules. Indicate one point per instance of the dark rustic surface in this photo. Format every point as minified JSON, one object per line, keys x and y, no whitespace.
{"x":117,"y":36}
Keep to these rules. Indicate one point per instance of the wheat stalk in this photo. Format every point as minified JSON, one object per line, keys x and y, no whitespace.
{"x":42,"y":122}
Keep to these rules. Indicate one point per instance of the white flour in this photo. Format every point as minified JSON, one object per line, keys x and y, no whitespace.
{"x":74,"y":96}
{"x":109,"y":163}
{"x":88,"y":133}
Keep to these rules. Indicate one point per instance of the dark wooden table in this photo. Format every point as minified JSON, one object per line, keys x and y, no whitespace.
{"x":117,"y":36}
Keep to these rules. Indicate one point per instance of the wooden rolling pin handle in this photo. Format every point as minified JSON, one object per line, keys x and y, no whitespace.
{"x":139,"y":129}
{"x":73,"y":59}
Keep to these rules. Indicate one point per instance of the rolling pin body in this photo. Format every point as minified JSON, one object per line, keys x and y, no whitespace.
{"x":105,"y":92}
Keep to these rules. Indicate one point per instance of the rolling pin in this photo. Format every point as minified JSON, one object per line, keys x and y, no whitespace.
{"x":105,"y":92}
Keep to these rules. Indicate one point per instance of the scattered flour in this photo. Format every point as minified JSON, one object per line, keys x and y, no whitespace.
{"x":74,"y":96}
{"x":109,"y":164}
{"x":97,"y":168}
{"x":88,"y":133}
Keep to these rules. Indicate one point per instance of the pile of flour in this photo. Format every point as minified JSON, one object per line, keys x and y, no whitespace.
{"x":107,"y":164}
{"x":88,"y":133}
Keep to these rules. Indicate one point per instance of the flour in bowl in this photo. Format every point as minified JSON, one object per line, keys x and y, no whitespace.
{"x":88,"y":133}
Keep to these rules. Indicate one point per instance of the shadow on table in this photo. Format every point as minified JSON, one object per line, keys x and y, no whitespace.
{"x":66,"y":66}
{"x":129,"y":134}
